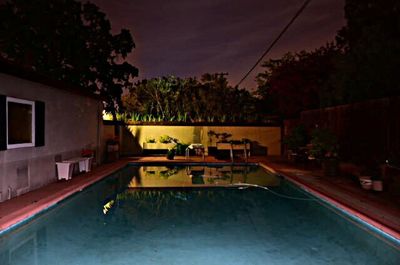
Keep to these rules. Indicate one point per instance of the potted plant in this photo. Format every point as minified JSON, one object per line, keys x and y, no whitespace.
{"x":151,"y":140}
{"x":171,"y":153}
{"x":165,"y":142}
{"x":181,"y":148}
{"x":165,"y":139}
{"x":371,"y":177}
{"x":323,"y":148}
{"x":165,"y":174}
{"x":220,"y":137}
{"x":365,"y":182}
{"x":150,"y":143}
{"x":87,"y":153}
{"x":296,"y":142}
{"x":223,"y":137}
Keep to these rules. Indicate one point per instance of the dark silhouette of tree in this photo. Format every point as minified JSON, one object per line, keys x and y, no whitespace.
{"x":297,"y":81}
{"x":362,"y":64}
{"x":69,"y":41}
{"x":371,"y":40}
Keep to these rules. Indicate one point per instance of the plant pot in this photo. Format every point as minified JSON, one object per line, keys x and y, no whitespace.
{"x":330,"y":167}
{"x":171,"y":154}
{"x":377,"y":185}
{"x":366,"y":182}
{"x":181,"y":149}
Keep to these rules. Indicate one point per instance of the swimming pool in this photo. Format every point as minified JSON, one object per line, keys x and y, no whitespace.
{"x":194,"y":214}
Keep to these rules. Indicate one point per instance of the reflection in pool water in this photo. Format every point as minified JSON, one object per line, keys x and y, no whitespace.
{"x":117,"y":221}
{"x":189,"y":176}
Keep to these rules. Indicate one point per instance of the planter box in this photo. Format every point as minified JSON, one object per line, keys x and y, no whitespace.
{"x":271,"y":122}
{"x":157,"y":148}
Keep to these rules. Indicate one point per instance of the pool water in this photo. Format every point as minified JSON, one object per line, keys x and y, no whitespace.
{"x":130,"y":219}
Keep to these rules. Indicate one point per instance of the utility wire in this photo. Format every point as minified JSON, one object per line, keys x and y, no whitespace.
{"x":276,"y":40}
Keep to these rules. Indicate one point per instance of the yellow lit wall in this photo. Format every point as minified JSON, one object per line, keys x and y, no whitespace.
{"x":136,"y":135}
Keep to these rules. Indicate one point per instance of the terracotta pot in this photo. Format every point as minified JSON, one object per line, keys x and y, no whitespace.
{"x":377,"y":185}
{"x":366,"y":182}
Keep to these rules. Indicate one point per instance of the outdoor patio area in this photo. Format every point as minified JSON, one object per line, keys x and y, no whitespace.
{"x":199,"y":132}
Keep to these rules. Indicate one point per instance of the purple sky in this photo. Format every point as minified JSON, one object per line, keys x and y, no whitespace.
{"x":187,"y":38}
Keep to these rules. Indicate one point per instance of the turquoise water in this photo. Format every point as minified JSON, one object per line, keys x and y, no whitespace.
{"x":117,"y":221}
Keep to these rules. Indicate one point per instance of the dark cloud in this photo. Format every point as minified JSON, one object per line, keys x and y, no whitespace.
{"x":188,"y":38}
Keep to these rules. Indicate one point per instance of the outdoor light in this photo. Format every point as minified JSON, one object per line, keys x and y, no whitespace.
{"x":107,"y":116}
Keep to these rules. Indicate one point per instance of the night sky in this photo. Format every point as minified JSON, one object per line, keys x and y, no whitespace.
{"x":187,"y":38}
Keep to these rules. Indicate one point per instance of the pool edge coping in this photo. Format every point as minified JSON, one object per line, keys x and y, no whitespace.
{"x":388,"y":232}
{"x":28,"y":212}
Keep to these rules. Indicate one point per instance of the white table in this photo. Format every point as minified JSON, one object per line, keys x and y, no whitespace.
{"x":66,"y":167}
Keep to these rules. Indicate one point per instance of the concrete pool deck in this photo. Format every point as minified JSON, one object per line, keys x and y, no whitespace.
{"x":378,"y":209}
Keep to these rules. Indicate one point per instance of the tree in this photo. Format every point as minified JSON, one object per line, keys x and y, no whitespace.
{"x":297,"y":81}
{"x":159,"y":97}
{"x":371,"y":40}
{"x":362,"y":64}
{"x":210,"y":99}
{"x":70,"y":41}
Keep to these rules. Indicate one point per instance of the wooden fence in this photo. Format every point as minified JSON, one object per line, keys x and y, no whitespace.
{"x":366,"y":131}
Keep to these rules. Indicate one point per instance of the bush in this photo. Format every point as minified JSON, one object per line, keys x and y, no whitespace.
{"x":296,"y":139}
{"x":324,"y":144}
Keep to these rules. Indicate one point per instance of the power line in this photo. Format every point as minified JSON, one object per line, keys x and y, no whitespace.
{"x":276,"y":40}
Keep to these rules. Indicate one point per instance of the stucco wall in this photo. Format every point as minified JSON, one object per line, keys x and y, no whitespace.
{"x":72,"y":122}
{"x":263,"y":138}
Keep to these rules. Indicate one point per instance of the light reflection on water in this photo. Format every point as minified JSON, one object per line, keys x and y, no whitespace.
{"x":118,"y":222}
{"x":189,"y":176}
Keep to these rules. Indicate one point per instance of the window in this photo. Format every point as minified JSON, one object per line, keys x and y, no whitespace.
{"x":20,"y":115}
{"x":22,"y":123}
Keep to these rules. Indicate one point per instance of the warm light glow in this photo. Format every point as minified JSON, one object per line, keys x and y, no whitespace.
{"x":108,"y":206}
{"x":107,"y":116}
{"x":134,"y":182}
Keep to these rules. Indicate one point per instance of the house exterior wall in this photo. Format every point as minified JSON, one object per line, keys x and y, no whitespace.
{"x":72,"y":122}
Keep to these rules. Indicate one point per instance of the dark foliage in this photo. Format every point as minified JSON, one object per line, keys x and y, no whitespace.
{"x":297,"y":81}
{"x":70,"y":41}
{"x":371,"y":40}
{"x":189,"y":100}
